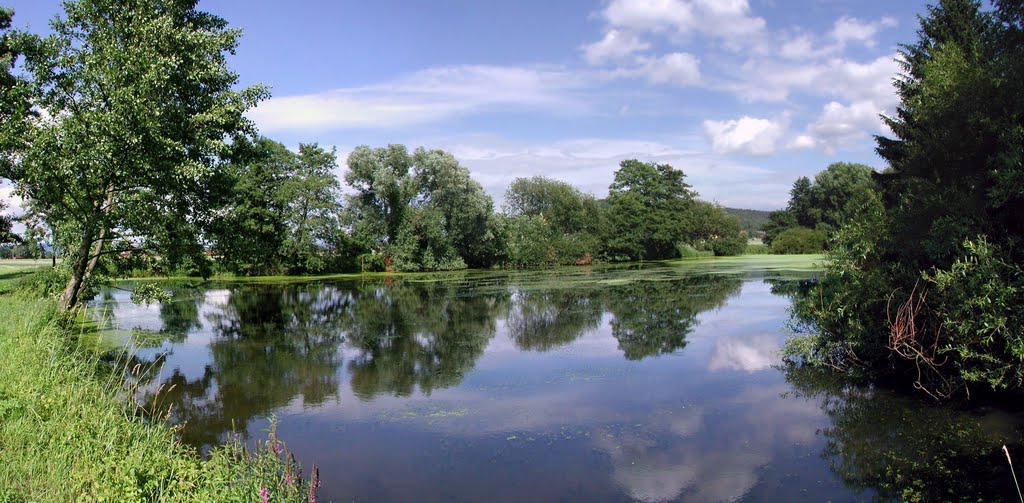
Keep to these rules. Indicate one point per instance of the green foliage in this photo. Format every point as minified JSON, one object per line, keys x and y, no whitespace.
{"x":550,"y":223}
{"x":421,"y":211}
{"x":250,"y":232}
{"x":530,"y":242}
{"x":778,"y":221}
{"x":566,"y":208}
{"x":310,"y":212}
{"x":799,"y":240}
{"x":280,"y":211}
{"x":688,"y":251}
{"x":16,"y":114}
{"x":149,"y":293}
{"x":6,"y":223}
{"x":59,"y":400}
{"x":751,"y":221}
{"x":757,"y":249}
{"x":645,"y":203}
{"x":977,"y":301}
{"x":709,"y":227}
{"x":145,"y":108}
{"x":385,"y":189}
{"x":827,"y":204}
{"x":940,"y":243}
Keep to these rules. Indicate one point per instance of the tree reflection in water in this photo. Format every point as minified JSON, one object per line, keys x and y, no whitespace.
{"x":901,"y":448}
{"x":424,"y":336}
{"x":270,"y":345}
{"x":546,"y":319}
{"x":655,"y":317}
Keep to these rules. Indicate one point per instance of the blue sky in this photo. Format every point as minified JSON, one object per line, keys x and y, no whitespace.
{"x":743,"y":95}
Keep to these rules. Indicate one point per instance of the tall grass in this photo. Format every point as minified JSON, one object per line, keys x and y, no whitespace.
{"x":757,"y":249}
{"x":67,"y":432}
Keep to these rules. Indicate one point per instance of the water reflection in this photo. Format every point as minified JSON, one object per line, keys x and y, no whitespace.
{"x":268,"y":345}
{"x":653,"y":384}
{"x":551,"y":318}
{"x":653,"y":318}
{"x":416,"y":336}
{"x":901,"y":448}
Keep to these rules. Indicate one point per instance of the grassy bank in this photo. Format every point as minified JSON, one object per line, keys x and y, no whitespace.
{"x":67,"y":433}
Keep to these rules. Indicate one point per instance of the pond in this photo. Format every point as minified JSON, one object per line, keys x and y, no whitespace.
{"x":656,"y":382}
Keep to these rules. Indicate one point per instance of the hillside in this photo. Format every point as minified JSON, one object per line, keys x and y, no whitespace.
{"x":751,"y":220}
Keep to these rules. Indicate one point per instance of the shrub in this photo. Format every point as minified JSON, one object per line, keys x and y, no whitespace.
{"x":757,"y":249}
{"x":978,"y":305}
{"x":728,"y":246}
{"x":687,"y":251}
{"x":797,"y":240}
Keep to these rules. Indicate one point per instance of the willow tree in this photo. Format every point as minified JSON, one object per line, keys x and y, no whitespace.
{"x":423,"y":211}
{"x":140,"y":101}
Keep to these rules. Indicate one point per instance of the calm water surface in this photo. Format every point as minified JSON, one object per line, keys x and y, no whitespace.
{"x":653,"y":383}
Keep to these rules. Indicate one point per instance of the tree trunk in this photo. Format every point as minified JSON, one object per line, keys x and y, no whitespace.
{"x":69,"y":297}
{"x":85,"y":261}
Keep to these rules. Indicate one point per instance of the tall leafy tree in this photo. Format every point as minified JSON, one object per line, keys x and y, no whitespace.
{"x":837,"y":195}
{"x":709,"y":227}
{"x":464,"y":211}
{"x":141,"y":99}
{"x":567,"y":208}
{"x":647,"y":205}
{"x":250,"y":231}
{"x":956,"y":156}
{"x":801,"y":203}
{"x":936,"y":267}
{"x":311,"y":194}
{"x":385,"y":188}
{"x":420,"y":210}
{"x":551,"y":222}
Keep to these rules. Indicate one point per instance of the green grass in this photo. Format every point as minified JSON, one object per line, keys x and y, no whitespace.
{"x":67,"y":432}
{"x":758,"y":249}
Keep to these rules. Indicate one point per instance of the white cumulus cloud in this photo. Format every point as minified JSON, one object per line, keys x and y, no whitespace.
{"x":615,"y":45}
{"x":720,"y":18}
{"x":746,"y":135}
{"x":849,"y":29}
{"x":840,"y":126}
{"x":677,"y":68}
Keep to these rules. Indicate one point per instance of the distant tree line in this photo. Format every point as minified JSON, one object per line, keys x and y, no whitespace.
{"x":280,"y":212}
{"x":751,"y":221}
{"x":818,"y":209}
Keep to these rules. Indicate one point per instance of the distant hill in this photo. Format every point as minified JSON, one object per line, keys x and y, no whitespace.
{"x":751,"y":220}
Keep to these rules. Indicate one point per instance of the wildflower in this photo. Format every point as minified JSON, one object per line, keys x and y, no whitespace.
{"x":314,"y":484}
{"x":265,"y":494}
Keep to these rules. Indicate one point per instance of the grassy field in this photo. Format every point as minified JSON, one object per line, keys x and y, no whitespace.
{"x":67,"y":432}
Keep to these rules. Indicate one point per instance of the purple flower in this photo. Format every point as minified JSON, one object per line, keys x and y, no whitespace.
{"x":265,"y":494}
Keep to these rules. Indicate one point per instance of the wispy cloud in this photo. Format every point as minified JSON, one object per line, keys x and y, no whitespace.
{"x":590,"y":164}
{"x":431,"y":95}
